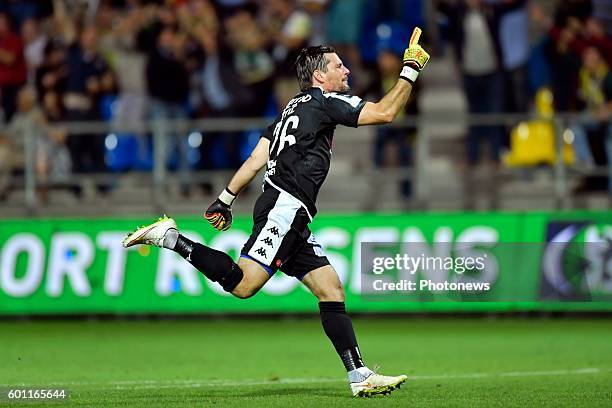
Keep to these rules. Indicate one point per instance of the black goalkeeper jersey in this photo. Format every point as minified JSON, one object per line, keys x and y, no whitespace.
{"x":301,"y":140}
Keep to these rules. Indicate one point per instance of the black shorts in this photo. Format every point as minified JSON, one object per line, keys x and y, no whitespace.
{"x":281,"y":238}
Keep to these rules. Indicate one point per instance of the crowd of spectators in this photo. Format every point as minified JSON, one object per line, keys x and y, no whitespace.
{"x":579,"y":47}
{"x":130,"y":60}
{"x":508,"y":49}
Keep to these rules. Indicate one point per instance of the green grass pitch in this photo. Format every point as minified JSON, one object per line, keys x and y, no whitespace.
{"x":286,"y":362}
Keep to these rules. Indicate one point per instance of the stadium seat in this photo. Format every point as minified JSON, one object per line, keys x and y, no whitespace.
{"x":122,"y":149}
{"x":121,"y":152}
{"x":532,"y":143}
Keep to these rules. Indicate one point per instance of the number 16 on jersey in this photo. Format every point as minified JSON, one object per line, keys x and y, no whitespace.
{"x":280,"y":134}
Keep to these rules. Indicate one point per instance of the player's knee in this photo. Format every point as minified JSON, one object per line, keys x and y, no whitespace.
{"x":338,"y":296}
{"x":333,"y":293}
{"x":245,"y":289}
{"x":243,"y":292}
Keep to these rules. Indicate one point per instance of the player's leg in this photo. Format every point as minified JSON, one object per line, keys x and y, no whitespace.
{"x":255,"y":276}
{"x":324,"y":283}
{"x":242,"y":280}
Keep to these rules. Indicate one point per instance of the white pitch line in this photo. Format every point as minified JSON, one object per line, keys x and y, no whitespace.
{"x":158,"y":384}
{"x":203,"y":384}
{"x":507,"y":374}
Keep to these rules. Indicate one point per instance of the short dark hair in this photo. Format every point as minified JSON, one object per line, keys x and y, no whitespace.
{"x":308,"y":61}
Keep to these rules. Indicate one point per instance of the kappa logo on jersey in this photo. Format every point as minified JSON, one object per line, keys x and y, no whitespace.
{"x":261,"y":251}
{"x":273,"y":231}
{"x":267,"y":241}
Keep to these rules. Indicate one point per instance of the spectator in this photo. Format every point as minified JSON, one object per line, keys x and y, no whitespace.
{"x":53,"y":161}
{"x":28,"y":118}
{"x":390,"y":48}
{"x":567,"y":45}
{"x":224,"y":97}
{"x":13,"y":72}
{"x":290,"y":29}
{"x":88,"y":79}
{"x":254,"y":66}
{"x":198,"y":14}
{"x":122,"y":50}
{"x":479,"y":57}
{"x":596,"y":35}
{"x":317,"y":12}
{"x":52,"y":107}
{"x":168,"y":98}
{"x":34,"y":42}
{"x":513,"y":20}
{"x":344,"y":22}
{"x":477,"y":47}
{"x":593,"y":133}
{"x":52,"y":74}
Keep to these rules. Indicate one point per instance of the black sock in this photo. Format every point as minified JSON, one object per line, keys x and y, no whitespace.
{"x":183,"y":246}
{"x":215,"y":265}
{"x":339,"y":329}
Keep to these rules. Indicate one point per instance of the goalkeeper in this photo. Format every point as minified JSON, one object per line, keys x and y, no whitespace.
{"x":296,"y":150}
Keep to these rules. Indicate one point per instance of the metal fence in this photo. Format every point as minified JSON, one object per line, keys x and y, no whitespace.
{"x":426,"y":136}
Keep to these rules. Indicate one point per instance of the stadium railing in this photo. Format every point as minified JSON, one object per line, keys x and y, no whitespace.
{"x":423,"y":145}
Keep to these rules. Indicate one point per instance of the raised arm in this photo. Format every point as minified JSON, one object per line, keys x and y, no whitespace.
{"x":219,"y":214}
{"x":63,"y":20}
{"x":388,"y":107}
{"x":385,"y":110}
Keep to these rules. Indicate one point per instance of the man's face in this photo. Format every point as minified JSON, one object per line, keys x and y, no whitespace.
{"x":29,"y":30}
{"x":25,"y":100}
{"x":89,"y":38}
{"x":336,"y":77}
{"x":166,"y":39}
{"x":591,"y":60}
{"x":4,"y":24}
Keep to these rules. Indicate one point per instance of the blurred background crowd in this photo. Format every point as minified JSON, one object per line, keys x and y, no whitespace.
{"x":126,"y":61}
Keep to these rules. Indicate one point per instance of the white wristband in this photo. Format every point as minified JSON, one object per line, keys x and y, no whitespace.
{"x":409,"y":74}
{"x":226,"y":197}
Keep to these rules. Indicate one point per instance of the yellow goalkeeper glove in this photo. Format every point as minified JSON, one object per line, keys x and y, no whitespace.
{"x":415,"y":58}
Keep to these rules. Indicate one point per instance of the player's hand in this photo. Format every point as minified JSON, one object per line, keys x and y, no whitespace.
{"x":219,"y":214}
{"x":415,"y":58}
